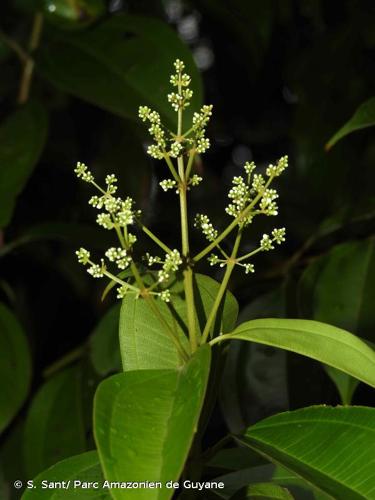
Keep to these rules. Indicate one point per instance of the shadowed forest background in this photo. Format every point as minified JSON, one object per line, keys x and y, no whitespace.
{"x":283,"y":76}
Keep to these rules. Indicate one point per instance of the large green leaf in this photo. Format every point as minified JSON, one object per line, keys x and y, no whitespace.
{"x":263,"y":491}
{"x":338,"y":289}
{"x":144,"y":344}
{"x":55,"y":423}
{"x":328,"y":344}
{"x":104,"y":344}
{"x":277,"y":475}
{"x":22,"y":138}
{"x":145,"y":421}
{"x":331,"y":448}
{"x":15,"y":366}
{"x":362,"y":118}
{"x":119,"y":64}
{"x":75,"y":472}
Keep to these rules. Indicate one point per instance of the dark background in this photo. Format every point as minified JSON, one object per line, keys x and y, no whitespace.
{"x":283,"y":77}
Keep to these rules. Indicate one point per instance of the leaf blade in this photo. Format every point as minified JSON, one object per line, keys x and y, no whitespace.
{"x":363,"y":117}
{"x":313,"y":443}
{"x":145,"y":421}
{"x":326,"y":343}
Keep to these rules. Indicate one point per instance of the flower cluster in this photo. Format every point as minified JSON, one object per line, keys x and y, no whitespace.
{"x":180,"y":99}
{"x":170,"y":264}
{"x":251,"y":194}
{"x":203,"y":223}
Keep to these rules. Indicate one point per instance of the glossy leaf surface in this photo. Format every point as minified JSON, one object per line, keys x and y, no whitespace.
{"x":84,"y":468}
{"x":331,"y":448}
{"x":145,"y":344}
{"x":328,"y":344}
{"x":145,"y":422}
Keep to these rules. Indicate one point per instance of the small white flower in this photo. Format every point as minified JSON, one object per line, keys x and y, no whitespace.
{"x":249,"y":268}
{"x":167,"y":184}
{"x":266,"y":243}
{"x":83,"y":256}
{"x":279,"y":235}
{"x":203,"y":223}
{"x":83,"y":172}
{"x":96,"y":271}
{"x":165,"y":296}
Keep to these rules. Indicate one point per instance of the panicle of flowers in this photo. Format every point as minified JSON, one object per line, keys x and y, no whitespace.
{"x":180,"y":99}
{"x":167,"y":184}
{"x":83,"y":172}
{"x":254,"y":189}
{"x":203,"y":223}
{"x":119,"y":256}
{"x":165,"y":143}
{"x":171,"y":264}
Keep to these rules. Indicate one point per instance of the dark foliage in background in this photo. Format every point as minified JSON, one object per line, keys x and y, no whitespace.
{"x":283,"y":77}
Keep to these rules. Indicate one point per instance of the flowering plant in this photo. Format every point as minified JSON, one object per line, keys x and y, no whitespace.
{"x":149,"y":420}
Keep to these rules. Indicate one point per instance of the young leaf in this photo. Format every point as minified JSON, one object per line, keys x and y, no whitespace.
{"x":144,"y":343}
{"x":362,"y":118}
{"x":15,"y":366}
{"x":55,"y":423}
{"x":331,"y":448}
{"x":144,"y":423}
{"x":328,"y":344}
{"x":83,"y":468}
{"x":26,"y":126}
{"x":120,"y":64}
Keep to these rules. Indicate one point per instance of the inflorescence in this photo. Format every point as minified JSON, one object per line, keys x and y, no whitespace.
{"x":250,"y":195}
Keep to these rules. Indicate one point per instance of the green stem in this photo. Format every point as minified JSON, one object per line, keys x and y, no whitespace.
{"x":220,"y":338}
{"x":171,"y":167}
{"x":13,"y":45}
{"x":188,"y":272}
{"x":232,"y":225}
{"x":28,"y":68}
{"x":230,"y":265}
{"x":189,"y":164}
{"x":153,"y":237}
{"x":250,"y":254}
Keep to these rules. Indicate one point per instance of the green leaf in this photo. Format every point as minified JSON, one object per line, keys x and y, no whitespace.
{"x":120,"y":64}
{"x":348,"y":306}
{"x":362,"y":118}
{"x":22,"y":139}
{"x":104,"y":348}
{"x":84,"y":468}
{"x":145,"y":422}
{"x":331,"y":448}
{"x":15,"y":366}
{"x":143,"y":342}
{"x":263,"y":491}
{"x":328,"y":344}
{"x":240,"y":479}
{"x":55,"y":423}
